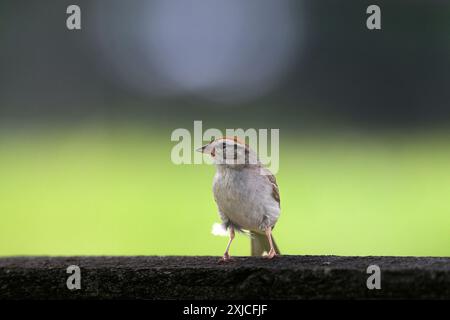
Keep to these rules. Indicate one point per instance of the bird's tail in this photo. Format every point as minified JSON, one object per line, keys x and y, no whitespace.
{"x":260,"y":244}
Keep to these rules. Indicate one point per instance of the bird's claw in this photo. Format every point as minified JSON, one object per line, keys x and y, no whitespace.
{"x":226,"y":258}
{"x":270,"y":255}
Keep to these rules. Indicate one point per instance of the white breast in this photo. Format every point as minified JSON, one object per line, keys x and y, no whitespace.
{"x":245,"y":198}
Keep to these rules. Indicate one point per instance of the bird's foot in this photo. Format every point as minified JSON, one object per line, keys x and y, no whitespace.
{"x":226,"y":258}
{"x":270,"y":255}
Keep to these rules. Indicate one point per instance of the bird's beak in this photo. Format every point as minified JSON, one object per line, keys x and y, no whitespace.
{"x":207,"y":148}
{"x":202,"y":148}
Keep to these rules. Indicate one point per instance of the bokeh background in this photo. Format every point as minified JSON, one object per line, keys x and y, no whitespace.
{"x":86,"y":118}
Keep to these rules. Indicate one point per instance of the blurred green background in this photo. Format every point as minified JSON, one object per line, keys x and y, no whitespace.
{"x":86,"y":118}
{"x":113,"y":190}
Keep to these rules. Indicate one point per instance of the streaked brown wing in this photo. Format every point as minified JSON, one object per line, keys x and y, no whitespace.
{"x":275,"y":191}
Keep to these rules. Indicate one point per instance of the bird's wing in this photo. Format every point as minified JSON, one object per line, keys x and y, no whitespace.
{"x":273,"y":182}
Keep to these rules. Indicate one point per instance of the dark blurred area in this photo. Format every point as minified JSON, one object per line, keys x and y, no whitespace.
{"x":283,"y":63}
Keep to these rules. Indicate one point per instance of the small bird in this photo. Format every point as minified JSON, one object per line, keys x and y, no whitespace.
{"x":246,"y":193}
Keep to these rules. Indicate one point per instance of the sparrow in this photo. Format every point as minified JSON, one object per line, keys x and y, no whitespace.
{"x":246,"y":194}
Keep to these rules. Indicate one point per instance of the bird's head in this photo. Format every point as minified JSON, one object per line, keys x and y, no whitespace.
{"x":230,"y":151}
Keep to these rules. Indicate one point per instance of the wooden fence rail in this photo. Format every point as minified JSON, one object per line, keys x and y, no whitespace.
{"x":285,"y":277}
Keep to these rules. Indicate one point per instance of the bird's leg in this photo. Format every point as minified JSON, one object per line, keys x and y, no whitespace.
{"x":226,"y":256}
{"x":271,"y":252}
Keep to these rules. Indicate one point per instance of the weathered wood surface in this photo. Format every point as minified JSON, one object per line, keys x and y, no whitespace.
{"x":285,"y":277}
